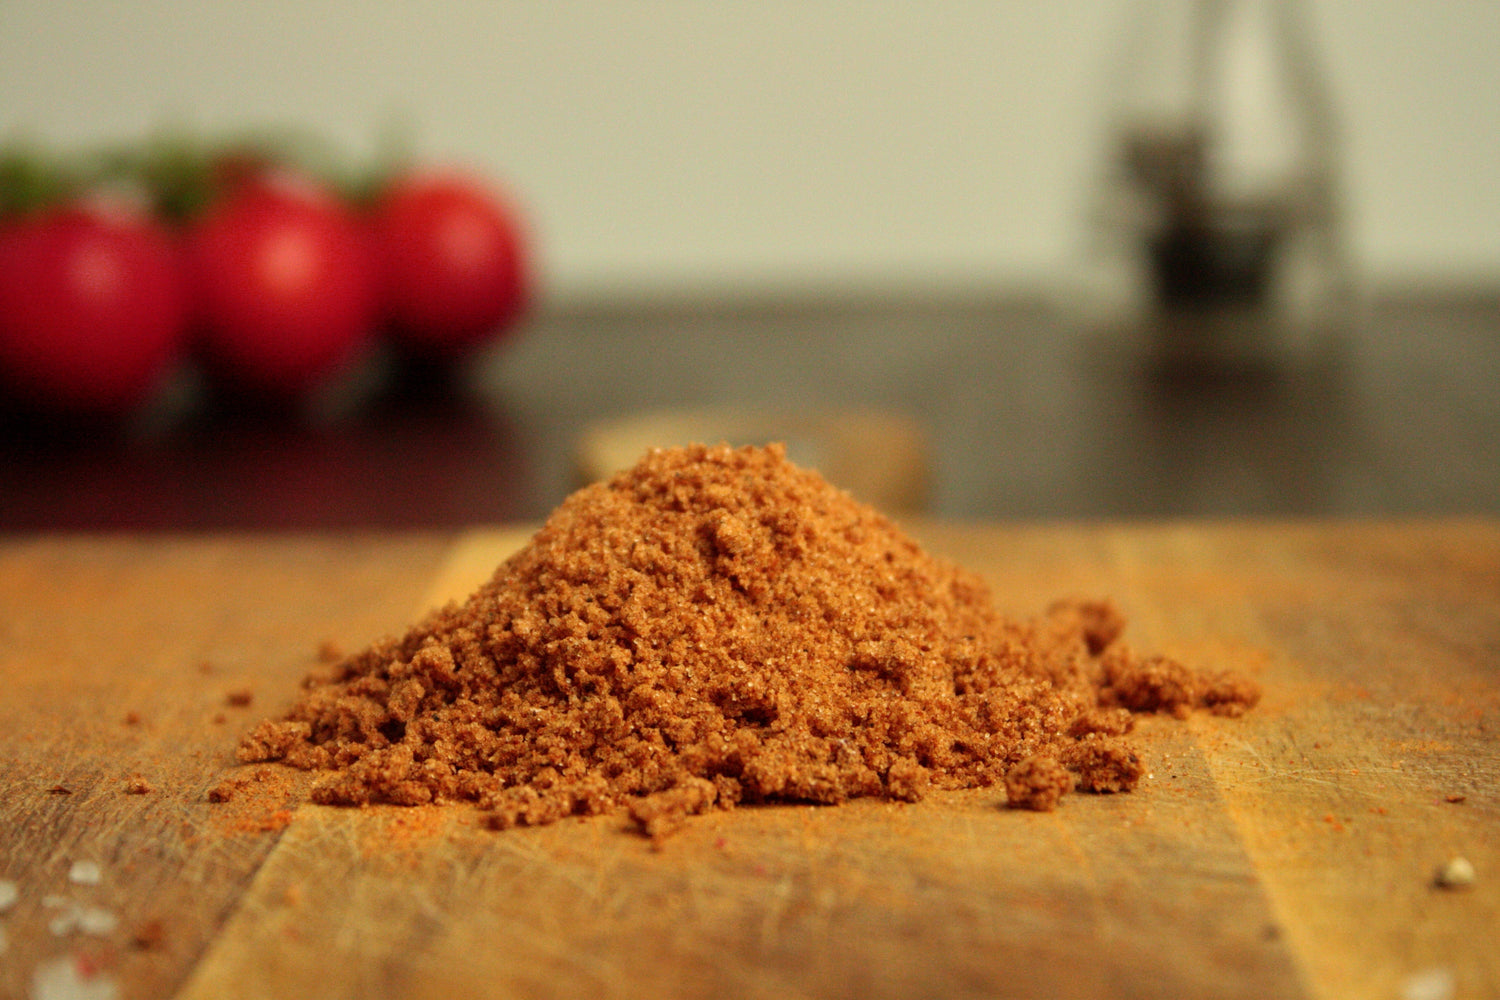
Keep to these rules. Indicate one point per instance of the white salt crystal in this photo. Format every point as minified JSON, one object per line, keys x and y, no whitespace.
{"x":70,"y":978}
{"x":85,"y":873}
{"x":1430,"y":984}
{"x":96,"y":922}
{"x":9,"y":893}
{"x":1457,"y":873}
{"x":64,"y":923}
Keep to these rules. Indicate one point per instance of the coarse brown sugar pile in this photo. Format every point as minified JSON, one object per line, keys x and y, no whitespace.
{"x":717,"y":626}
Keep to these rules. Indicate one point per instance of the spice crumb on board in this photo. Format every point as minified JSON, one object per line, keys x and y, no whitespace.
{"x":150,"y":935}
{"x":1037,"y":783}
{"x":256,"y":800}
{"x":717,"y":626}
{"x":224,"y":791}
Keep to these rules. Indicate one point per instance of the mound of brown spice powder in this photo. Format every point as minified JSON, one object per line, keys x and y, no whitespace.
{"x":716,"y":626}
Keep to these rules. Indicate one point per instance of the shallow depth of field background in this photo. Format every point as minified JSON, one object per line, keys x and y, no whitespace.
{"x":684,"y":148}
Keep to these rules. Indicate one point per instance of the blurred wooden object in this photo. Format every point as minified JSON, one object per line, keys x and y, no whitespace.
{"x":878,"y":456}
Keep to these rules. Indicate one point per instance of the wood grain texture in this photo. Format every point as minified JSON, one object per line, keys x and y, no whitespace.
{"x":118,"y":657}
{"x":1289,"y":853}
{"x":1374,"y":760}
{"x":1379,"y":648}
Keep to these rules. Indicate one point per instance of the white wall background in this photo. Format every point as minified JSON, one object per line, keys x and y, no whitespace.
{"x":668,"y":147}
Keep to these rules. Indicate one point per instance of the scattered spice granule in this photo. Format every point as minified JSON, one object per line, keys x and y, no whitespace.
{"x":1037,"y":783}
{"x":239,"y":699}
{"x":137,"y":785}
{"x":716,"y":626}
{"x":1455,"y":798}
{"x":225,"y":790}
{"x":132,"y":718}
{"x":1161,"y":684}
{"x":1102,"y":765}
{"x":257,"y":800}
{"x":330,"y":651}
{"x":149,"y":936}
{"x":59,"y":790}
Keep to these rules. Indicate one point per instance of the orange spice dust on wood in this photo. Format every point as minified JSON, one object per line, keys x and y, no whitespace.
{"x":256,"y":800}
{"x":717,"y":626}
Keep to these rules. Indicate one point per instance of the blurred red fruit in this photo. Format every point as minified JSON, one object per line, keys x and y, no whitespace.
{"x":284,"y":285}
{"x":92,"y":307}
{"x":453,"y":263}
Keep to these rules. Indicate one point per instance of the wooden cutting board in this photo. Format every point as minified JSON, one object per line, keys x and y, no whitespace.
{"x":1290,"y":853}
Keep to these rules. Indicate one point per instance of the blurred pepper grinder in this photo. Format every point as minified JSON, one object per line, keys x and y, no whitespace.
{"x":1218,"y":233}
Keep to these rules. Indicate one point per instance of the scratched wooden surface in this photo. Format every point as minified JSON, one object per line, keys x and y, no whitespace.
{"x":1289,"y":853}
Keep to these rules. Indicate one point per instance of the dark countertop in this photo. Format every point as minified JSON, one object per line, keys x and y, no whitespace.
{"x":1026,"y":417}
